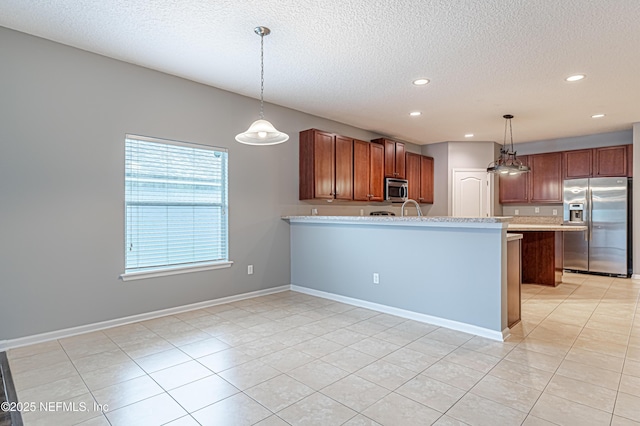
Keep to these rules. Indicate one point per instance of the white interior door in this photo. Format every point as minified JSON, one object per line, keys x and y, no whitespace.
{"x":471,"y":193}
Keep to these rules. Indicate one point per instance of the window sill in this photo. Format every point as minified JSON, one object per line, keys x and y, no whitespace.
{"x":154,"y":273}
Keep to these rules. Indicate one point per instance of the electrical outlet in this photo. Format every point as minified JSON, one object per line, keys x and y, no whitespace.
{"x":361,"y":212}
{"x":314,"y":212}
{"x":537,"y":210}
{"x":376,"y":278}
{"x":555,"y":212}
{"x":250,"y":270}
{"x":517,"y":212}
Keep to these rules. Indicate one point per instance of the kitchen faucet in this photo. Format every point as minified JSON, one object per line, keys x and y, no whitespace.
{"x":412,"y":201}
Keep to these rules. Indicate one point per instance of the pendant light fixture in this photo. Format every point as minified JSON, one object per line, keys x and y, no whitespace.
{"x":261,"y":132}
{"x":507,"y":163}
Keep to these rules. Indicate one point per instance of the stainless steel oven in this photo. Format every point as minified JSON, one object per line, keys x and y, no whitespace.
{"x":396,"y":190}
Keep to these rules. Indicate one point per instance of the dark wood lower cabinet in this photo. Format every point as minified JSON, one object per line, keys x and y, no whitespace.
{"x":542,"y":256}
{"x":514,"y":282}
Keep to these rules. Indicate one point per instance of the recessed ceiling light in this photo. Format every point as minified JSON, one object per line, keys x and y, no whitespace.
{"x":468,"y":135}
{"x":421,"y":82}
{"x":597,"y":116}
{"x":576,"y":77}
{"x":415,"y":113}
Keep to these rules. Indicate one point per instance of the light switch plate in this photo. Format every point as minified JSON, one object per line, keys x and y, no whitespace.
{"x":537,"y":209}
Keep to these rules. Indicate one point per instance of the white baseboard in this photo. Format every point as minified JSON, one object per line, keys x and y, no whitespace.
{"x":68,"y":332}
{"x":416,"y":316}
{"x":635,"y":277}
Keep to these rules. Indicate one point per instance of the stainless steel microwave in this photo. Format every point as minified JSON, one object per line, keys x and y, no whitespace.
{"x":396,"y":190}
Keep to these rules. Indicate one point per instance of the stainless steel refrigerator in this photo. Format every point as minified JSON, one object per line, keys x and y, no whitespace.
{"x":603,"y":205}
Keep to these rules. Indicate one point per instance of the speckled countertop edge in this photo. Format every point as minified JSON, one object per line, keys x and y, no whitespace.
{"x":396,"y":219}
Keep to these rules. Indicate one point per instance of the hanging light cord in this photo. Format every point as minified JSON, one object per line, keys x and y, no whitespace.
{"x":261,"y":76}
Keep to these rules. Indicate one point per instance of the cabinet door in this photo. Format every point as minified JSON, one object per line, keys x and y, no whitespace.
{"x":578,"y":163}
{"x":376,"y":172}
{"x":324,"y":165}
{"x":413,"y":174}
{"x":546,"y":178}
{"x":389,"y":158}
{"x":426,"y":180}
{"x":344,"y":168}
{"x":610,"y":161}
{"x":515,"y":189}
{"x":361,"y":173}
{"x":400,"y":161}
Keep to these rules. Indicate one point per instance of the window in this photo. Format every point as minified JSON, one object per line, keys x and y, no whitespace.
{"x":175,"y":207}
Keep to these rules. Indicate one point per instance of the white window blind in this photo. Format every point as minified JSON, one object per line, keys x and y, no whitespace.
{"x":176,"y":204}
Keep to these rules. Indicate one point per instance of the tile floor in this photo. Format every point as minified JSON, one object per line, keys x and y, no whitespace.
{"x":293,"y":359}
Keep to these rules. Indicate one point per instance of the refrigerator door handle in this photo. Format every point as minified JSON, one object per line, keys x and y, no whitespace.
{"x":590,"y":223}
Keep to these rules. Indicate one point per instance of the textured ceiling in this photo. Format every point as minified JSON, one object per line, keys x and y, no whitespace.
{"x":353,"y":61}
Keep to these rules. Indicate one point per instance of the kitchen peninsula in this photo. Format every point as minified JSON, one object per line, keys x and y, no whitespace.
{"x":447,"y":271}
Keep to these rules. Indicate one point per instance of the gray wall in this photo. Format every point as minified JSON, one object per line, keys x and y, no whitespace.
{"x":453,"y":273}
{"x":63,"y":117}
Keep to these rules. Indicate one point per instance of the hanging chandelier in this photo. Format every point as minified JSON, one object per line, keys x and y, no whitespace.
{"x":261,"y":132}
{"x":507,"y":163}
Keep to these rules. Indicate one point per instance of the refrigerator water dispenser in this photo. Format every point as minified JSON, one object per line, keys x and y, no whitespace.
{"x":576,"y":212}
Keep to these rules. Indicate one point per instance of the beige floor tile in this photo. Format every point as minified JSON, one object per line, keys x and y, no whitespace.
{"x":595,"y":345}
{"x":395,"y":336}
{"x":355,"y":392}
{"x":261,"y":347}
{"x":375,"y":347}
{"x":564,"y":412}
{"x":317,"y":374}
{"x":595,"y":359}
{"x":60,"y":390}
{"x":125,"y":393}
{"x":344,"y":337}
{"x":100,"y":360}
{"x":489,"y":347}
{"x":621,"y":421}
{"x":162,"y":360}
{"x":631,"y":368}
{"x":432,"y":347}
{"x":147,"y":347}
{"x":430,"y":392}
{"x":203,"y":347}
{"x":361,"y":420}
{"x":633,"y":353}
{"x":411,"y":360}
{"x":100,"y":420}
{"x":590,"y":374}
{"x":279,"y":392}
{"x":249,"y":374}
{"x":452,"y":337}
{"x":535,"y":421}
{"x":607,"y":336}
{"x":72,"y":411}
{"x":475,"y":410}
{"x":156,"y":410}
{"x":203,"y":392}
{"x":81,"y":349}
{"x":514,"y":395}
{"x":39,"y":348}
{"x":581,"y":392}
{"x":181,"y":374}
{"x":396,"y":409}
{"x":224,"y":360}
{"x":454,"y":374}
{"x":36,"y":361}
{"x":522,"y":374}
{"x":472,"y":359}
{"x":367,"y":328}
{"x":348,"y":359}
{"x":556,"y":349}
{"x":316,"y":409}
{"x":46,"y":374}
{"x":534,"y":359}
{"x":287,"y":359}
{"x":273,"y":420}
{"x":385,"y":374}
{"x":292,"y":337}
{"x":318,"y":347}
{"x":630,"y":385}
{"x":103,"y":377}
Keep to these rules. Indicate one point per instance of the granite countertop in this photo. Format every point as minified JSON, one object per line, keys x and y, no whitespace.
{"x":415,"y":221}
{"x":544,"y":227}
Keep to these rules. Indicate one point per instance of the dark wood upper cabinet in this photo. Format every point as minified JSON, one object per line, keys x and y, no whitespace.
{"x":394,"y":158}
{"x":545,"y":182}
{"x":376,"y":172}
{"x":413,"y":174}
{"x":578,"y":163}
{"x":344,"y":168}
{"x":610,"y":161}
{"x":426,"y":180}
{"x":326,"y":166}
{"x":515,"y":189}
{"x":368,"y":171}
